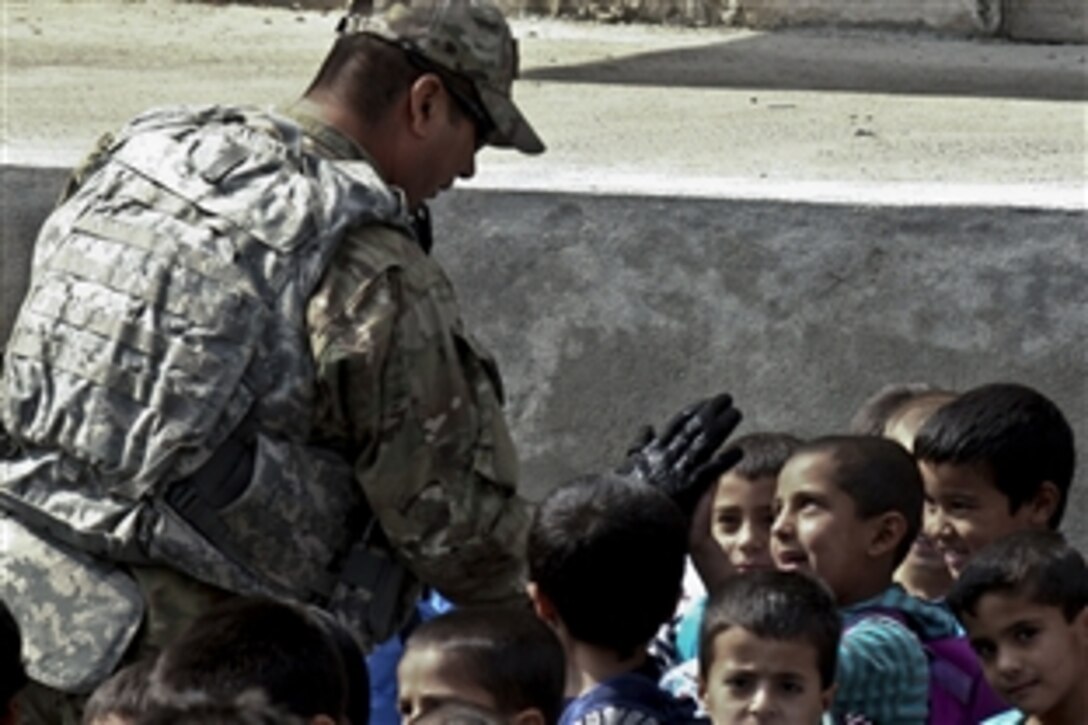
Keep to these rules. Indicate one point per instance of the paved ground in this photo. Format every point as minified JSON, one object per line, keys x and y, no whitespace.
{"x":821,"y":115}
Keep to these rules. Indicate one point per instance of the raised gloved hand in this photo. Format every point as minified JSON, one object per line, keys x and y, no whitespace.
{"x":677,"y":461}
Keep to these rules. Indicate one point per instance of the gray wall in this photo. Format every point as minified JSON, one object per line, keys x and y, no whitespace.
{"x":608,"y":312}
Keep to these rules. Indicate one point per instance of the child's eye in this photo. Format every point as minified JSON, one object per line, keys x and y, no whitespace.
{"x":729,"y":522}
{"x":738,"y":683}
{"x":960,"y":504}
{"x":1025,"y":633}
{"x":984,"y":649}
{"x":792,"y":687}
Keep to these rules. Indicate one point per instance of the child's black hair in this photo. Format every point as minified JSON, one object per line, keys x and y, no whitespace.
{"x":879,"y":476}
{"x":1014,"y":434}
{"x":1038,"y":565}
{"x":777,"y":605}
{"x":763,"y":454}
{"x":509,"y":653}
{"x":608,"y":552}
{"x":123,"y":695}
{"x":249,"y":643}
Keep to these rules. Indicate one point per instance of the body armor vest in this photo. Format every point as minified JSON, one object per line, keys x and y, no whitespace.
{"x":159,"y":383}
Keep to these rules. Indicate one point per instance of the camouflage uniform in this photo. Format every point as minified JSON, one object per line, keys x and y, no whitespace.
{"x":126,"y":402}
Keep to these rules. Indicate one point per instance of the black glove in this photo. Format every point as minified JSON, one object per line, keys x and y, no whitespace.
{"x":676,"y":462}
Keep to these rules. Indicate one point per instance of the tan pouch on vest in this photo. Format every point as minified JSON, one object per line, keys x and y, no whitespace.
{"x":78,"y":615}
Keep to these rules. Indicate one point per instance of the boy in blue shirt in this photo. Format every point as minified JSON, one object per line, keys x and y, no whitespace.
{"x":997,"y":460}
{"x":848,"y":511}
{"x":1024,"y":603}
{"x":606,"y":557}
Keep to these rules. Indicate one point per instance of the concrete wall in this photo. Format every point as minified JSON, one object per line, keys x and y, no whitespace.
{"x":608,"y":312}
{"x":950,"y":15}
{"x":1047,"y":20}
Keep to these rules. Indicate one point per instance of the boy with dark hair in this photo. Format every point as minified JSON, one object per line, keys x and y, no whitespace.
{"x":12,"y":675}
{"x":606,"y":557}
{"x":849,"y":508}
{"x":768,"y":649}
{"x":996,"y":460}
{"x":1024,"y":603}
{"x":249,"y":643}
{"x":122,"y":699}
{"x":499,"y":665}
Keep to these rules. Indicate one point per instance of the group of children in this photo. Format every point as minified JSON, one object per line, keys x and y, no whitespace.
{"x":909,"y":572}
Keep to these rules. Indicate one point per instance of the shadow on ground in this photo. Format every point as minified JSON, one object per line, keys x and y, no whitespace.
{"x":894,"y":63}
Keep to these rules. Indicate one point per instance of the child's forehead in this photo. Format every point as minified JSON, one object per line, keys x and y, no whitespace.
{"x":733,"y":485}
{"x":1001,"y":607}
{"x":975,"y":477}
{"x":741,"y":647}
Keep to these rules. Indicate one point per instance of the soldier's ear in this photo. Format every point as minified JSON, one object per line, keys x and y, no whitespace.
{"x":424,"y":97}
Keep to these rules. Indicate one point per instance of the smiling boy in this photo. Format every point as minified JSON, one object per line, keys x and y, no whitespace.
{"x":997,"y":460}
{"x":848,"y":510}
{"x":1024,"y":603}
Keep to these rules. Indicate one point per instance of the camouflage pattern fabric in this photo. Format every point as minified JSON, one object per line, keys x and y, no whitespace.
{"x":421,"y":403}
{"x":468,"y":37}
{"x":359,"y":391}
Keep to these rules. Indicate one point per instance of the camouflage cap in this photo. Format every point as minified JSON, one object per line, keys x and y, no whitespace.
{"x":468,"y":37}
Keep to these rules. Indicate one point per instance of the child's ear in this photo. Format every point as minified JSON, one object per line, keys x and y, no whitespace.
{"x":701,"y":691}
{"x":532,"y":716}
{"x":541,"y":604}
{"x":887,"y":531}
{"x":1044,"y":504}
{"x":828,"y":695}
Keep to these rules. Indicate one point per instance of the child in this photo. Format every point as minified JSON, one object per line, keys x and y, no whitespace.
{"x":490,"y":665}
{"x":849,"y":508}
{"x":1024,"y":603}
{"x":606,"y":557}
{"x":730,"y":534}
{"x":253,"y":643}
{"x":923,"y":573}
{"x":996,"y":460}
{"x":122,"y":699}
{"x":768,"y":650}
{"x":871,"y":419}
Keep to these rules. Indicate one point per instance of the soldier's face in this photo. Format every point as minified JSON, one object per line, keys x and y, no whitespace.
{"x":446,"y":151}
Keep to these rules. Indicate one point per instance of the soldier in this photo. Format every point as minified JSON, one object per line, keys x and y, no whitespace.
{"x":238,"y":370}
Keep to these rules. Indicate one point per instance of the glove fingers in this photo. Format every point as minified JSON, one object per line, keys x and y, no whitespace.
{"x":705,"y":477}
{"x":642,"y":439}
{"x":679,"y":422}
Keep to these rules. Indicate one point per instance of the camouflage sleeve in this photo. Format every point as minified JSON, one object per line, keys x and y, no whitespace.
{"x":420,"y":402}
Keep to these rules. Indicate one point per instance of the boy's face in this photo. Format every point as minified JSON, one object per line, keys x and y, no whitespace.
{"x":965,"y":512}
{"x":430,"y":692}
{"x":741,"y":520}
{"x":1033,"y":657}
{"x":817,"y":529}
{"x":759,"y":680}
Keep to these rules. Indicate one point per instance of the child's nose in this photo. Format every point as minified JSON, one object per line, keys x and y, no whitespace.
{"x":761,"y":702}
{"x":933,"y":521}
